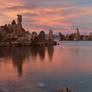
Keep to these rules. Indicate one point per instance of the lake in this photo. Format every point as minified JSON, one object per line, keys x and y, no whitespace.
{"x":40,"y":69}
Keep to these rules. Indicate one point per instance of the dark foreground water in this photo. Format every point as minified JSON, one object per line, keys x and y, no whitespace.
{"x":39,"y":69}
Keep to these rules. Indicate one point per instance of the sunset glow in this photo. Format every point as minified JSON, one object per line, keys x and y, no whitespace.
{"x":59,"y":15}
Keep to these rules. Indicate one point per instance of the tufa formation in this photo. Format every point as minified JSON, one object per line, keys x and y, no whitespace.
{"x":15,"y":35}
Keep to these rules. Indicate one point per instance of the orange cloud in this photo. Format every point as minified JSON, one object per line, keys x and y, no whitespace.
{"x":45,"y":16}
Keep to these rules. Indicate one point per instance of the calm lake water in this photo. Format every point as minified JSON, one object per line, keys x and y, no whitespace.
{"x":39,"y":69}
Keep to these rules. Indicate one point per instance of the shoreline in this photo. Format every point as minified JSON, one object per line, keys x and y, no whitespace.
{"x":14,"y":34}
{"x":18,"y":44}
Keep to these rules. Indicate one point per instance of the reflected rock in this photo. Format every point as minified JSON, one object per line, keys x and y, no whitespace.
{"x":41,"y":52}
{"x":50,"y":51}
{"x":19,"y":55}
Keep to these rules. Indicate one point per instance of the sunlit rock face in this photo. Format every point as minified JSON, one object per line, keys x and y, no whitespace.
{"x":51,"y":36}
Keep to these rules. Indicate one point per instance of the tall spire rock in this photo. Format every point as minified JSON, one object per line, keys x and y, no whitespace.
{"x":77,"y":34}
{"x":51,"y":36}
{"x":20,"y":31}
{"x":19,"y":20}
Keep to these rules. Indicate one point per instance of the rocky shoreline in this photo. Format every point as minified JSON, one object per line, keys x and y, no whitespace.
{"x":14,"y":34}
{"x":13,"y":44}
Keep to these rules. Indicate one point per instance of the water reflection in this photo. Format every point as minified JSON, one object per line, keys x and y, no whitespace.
{"x":20,"y":54}
{"x":50,"y":52}
{"x":77,"y":51}
{"x":39,"y":69}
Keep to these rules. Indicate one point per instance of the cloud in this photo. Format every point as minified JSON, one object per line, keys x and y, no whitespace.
{"x":45,"y":14}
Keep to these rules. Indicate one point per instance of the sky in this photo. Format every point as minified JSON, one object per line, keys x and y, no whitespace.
{"x":58,"y":15}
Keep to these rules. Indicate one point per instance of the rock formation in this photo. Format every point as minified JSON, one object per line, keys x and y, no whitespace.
{"x":19,"y":20}
{"x":65,"y":90}
{"x":42,"y":36}
{"x":51,"y":36}
{"x":59,"y":90}
{"x":34,"y":36}
{"x":13,"y":22}
{"x":61,"y":36}
{"x":14,"y":34}
{"x":77,"y":34}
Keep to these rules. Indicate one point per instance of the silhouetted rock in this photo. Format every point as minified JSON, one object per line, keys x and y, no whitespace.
{"x":19,"y":20}
{"x":76,"y":34}
{"x":13,"y":22}
{"x":51,"y":36}
{"x":34,"y":36}
{"x":61,"y":36}
{"x":67,"y":90}
{"x":42,"y":36}
{"x":14,"y":34}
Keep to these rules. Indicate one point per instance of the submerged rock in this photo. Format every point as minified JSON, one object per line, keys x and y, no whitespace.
{"x":65,"y":90}
{"x":59,"y":90}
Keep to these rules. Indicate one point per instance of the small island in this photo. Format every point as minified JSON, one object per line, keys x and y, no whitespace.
{"x":14,"y":34}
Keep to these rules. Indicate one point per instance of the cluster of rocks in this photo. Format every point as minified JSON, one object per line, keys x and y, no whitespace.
{"x":65,"y":90}
{"x":62,"y":90}
{"x":40,"y":39}
{"x":15,"y":35}
{"x":76,"y":36}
